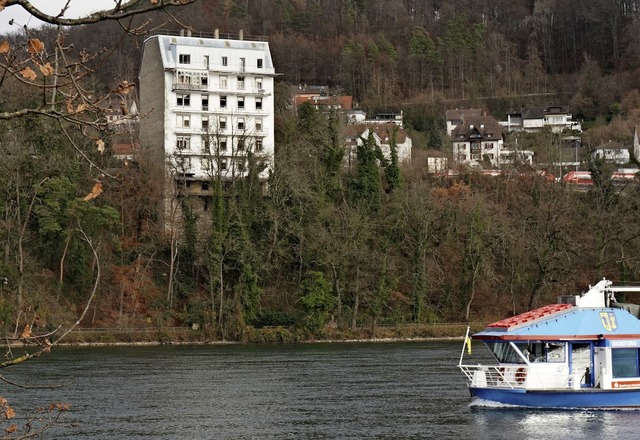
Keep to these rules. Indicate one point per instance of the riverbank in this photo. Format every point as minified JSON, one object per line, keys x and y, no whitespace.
{"x":264,"y":335}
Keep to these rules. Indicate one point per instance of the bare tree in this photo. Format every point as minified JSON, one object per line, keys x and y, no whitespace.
{"x":46,"y":77}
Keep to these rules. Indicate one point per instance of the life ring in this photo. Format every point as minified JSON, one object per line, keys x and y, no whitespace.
{"x":500,"y":374}
{"x":521,"y":375}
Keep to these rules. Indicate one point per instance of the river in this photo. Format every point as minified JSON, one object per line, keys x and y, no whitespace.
{"x":307,"y":391}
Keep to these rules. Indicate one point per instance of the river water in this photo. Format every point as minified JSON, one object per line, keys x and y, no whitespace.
{"x":308,"y":391}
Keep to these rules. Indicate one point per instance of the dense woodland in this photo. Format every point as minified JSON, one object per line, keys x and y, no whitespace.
{"x":329,"y":247}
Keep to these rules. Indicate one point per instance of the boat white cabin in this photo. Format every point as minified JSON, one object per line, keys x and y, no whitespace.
{"x":582,"y":352}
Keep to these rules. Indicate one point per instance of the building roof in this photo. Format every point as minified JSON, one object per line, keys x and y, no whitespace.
{"x":383,"y":131}
{"x":168,"y":43}
{"x":480,"y":127}
{"x":541,"y":112}
{"x":459,"y":114}
{"x":344,"y":102}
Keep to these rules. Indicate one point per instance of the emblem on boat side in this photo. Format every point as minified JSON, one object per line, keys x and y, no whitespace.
{"x":608,"y":320}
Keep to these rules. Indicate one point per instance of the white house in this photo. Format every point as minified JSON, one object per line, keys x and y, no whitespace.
{"x":612,"y":152}
{"x":383,"y":134}
{"x":457,"y":117}
{"x":477,"y":139}
{"x":557,"y":118}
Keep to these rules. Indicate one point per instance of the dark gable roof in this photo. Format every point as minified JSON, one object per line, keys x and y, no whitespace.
{"x":481,"y":127}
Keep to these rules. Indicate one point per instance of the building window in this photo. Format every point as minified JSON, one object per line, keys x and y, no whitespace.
{"x":204,"y":166}
{"x":183,"y":100}
{"x":205,"y":103}
{"x":184,"y":164}
{"x":241,"y":83}
{"x":184,"y":77}
{"x":223,"y":164}
{"x":243,"y":64}
{"x":225,"y":61}
{"x":206,"y":62}
{"x":240,"y":164}
{"x":183,"y":142}
{"x":223,"y":82}
{"x":184,"y":58}
{"x":258,"y":124}
{"x":205,"y":186}
{"x":205,"y":123}
{"x":241,"y":102}
{"x":204,"y":80}
{"x":223,"y":102}
{"x":240,"y":123}
{"x":223,"y":145}
{"x":206,"y":144}
{"x":258,"y":103}
{"x":259,"y":83}
{"x":258,"y":144}
{"x":183,"y":121}
{"x":259,"y":63}
{"x":223,"y":123}
{"x":240,"y":144}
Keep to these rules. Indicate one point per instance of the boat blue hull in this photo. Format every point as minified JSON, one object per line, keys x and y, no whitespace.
{"x":584,"y":398}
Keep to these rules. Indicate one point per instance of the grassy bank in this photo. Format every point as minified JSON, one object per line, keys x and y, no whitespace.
{"x":250,"y":335}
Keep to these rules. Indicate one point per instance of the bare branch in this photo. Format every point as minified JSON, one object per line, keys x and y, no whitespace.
{"x":120,"y":11}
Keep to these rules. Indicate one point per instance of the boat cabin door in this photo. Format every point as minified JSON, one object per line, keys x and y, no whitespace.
{"x":581,"y":362}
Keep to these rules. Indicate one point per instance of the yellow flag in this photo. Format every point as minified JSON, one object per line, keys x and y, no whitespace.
{"x":468,"y":342}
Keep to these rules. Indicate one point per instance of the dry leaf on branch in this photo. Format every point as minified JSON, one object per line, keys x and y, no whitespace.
{"x":125,"y":87}
{"x":35,"y":46}
{"x":9,"y":413}
{"x":5,"y":47}
{"x":100,"y":144}
{"x":69,"y":106}
{"x":81,"y":107}
{"x":11,"y":428}
{"x":154,"y":2}
{"x":46,"y":70}
{"x":29,"y":74}
{"x":95,"y":192}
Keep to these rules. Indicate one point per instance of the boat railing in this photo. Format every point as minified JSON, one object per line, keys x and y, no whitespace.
{"x":518,"y":376}
{"x":496,"y":376}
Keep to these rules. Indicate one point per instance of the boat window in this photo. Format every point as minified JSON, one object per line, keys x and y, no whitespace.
{"x":624,"y":362}
{"x":541,"y":351}
{"x":505,"y":353}
{"x":555,"y":351}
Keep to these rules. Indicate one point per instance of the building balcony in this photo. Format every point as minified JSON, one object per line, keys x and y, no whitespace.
{"x":189,"y":87}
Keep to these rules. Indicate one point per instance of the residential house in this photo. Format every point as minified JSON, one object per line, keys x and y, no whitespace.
{"x":360,"y":117}
{"x":612,"y":152}
{"x":321,"y":99}
{"x":208,"y":103}
{"x":477,"y":139}
{"x":383,"y":134}
{"x":535,"y":119}
{"x":457,"y":117}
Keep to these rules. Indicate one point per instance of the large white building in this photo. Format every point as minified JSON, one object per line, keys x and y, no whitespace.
{"x":207,"y":107}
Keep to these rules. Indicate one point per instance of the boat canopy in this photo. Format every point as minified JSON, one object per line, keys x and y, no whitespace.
{"x":568,"y":323}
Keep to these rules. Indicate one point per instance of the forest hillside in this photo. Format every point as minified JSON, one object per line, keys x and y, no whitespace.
{"x":329,"y":248}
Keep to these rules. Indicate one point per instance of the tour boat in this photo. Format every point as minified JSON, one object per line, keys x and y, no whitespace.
{"x":582,"y":352}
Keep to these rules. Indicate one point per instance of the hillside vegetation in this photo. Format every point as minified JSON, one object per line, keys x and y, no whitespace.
{"x":331,"y":247}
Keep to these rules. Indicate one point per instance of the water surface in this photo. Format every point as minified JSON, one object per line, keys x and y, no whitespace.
{"x":308,"y":391}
